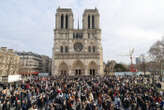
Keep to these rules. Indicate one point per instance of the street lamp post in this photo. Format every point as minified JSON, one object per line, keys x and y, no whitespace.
{"x":152,"y":70}
{"x":144,"y":67}
{"x":161,"y":70}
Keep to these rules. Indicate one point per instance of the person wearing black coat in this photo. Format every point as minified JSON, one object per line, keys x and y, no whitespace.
{"x":24,"y":105}
{"x":126,"y":104}
{"x":4,"y":106}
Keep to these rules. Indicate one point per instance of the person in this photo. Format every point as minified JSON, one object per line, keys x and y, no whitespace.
{"x":162,"y":104}
{"x":4,"y":107}
{"x":34,"y":107}
{"x":134,"y":105}
{"x":126,"y":103}
{"x":117,"y":102}
{"x":1,"y":105}
{"x":18,"y":105}
{"x":24,"y":105}
{"x":83,"y":93}
{"x":8,"y":105}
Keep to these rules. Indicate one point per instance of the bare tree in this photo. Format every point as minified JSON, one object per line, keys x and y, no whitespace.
{"x":109,"y":67}
{"x":17,"y":67}
{"x":156,"y":51}
{"x":1,"y":64}
{"x":9,"y":64}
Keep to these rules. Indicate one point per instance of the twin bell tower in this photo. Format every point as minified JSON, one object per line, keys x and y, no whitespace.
{"x":77,"y":52}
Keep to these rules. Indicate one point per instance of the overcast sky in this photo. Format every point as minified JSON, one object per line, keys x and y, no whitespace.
{"x":28,"y":24}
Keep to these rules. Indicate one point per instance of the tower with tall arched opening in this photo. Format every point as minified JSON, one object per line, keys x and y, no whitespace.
{"x":77,"y":51}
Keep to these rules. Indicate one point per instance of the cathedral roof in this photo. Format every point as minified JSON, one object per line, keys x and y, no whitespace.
{"x":91,"y":11}
{"x":64,"y":10}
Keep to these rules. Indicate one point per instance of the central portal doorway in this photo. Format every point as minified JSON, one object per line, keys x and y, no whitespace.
{"x":92,"y":72}
{"x":63,"y":73}
{"x":63,"y":69}
{"x":78,"y":68}
{"x":78,"y":72}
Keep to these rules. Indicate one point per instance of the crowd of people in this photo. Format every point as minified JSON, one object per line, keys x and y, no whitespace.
{"x":83,"y":93}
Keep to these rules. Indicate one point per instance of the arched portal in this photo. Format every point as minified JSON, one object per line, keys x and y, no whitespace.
{"x":92,"y":68}
{"x":78,"y":68}
{"x":63,"y":69}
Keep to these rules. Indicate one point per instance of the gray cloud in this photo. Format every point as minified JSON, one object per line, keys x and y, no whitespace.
{"x":28,"y":25}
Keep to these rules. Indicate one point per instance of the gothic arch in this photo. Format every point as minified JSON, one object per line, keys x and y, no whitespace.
{"x":63,"y":69}
{"x":62,"y":21}
{"x":92,"y":68}
{"x":66,"y":24}
{"x":78,"y":68}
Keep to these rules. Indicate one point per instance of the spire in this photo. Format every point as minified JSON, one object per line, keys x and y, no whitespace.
{"x":58,"y":3}
{"x":78,"y":24}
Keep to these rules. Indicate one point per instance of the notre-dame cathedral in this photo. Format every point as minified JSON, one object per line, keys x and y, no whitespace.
{"x":77,"y":51}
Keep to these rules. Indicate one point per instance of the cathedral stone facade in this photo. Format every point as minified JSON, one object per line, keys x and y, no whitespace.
{"x":77,"y":51}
